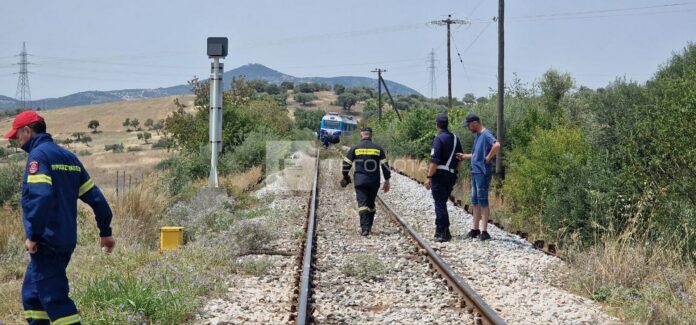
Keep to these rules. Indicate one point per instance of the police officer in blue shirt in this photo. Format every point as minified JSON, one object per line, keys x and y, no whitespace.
{"x":485,"y":148}
{"x":53,"y":181}
{"x":442,"y":174}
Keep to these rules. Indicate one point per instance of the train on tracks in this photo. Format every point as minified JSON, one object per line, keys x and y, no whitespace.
{"x":334,"y":127}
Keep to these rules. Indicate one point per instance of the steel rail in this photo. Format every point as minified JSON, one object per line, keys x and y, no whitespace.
{"x":471,"y":301}
{"x":304,"y":313}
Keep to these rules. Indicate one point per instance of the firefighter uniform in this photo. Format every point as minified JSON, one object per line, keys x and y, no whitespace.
{"x":368,"y":158}
{"x":53,"y":181}
{"x":443,"y":153}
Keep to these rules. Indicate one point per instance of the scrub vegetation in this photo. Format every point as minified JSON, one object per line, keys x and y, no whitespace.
{"x":608,"y":174}
{"x":137,"y":283}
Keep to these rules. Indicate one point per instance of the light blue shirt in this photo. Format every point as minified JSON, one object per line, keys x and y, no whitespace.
{"x":483,"y":142}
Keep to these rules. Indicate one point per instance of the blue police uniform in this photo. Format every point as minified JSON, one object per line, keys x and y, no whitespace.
{"x":443,"y":153}
{"x":53,"y":181}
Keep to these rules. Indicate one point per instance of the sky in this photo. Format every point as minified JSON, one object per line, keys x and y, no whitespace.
{"x":107,"y":45}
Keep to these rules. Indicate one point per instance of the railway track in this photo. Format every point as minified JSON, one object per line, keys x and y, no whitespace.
{"x":391,"y":276}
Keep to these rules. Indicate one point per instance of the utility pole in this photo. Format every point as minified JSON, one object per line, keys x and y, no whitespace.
{"x":380,"y":83}
{"x":379,"y":91}
{"x":499,"y":167}
{"x":449,"y":21}
{"x":23,"y":94}
{"x":431,"y":68}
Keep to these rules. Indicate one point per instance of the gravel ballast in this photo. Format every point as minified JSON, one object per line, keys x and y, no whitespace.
{"x":377,"y":279}
{"x":507,"y":272}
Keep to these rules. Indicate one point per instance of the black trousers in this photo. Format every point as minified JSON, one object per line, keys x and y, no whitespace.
{"x":366,"y":195}
{"x":442,"y":185}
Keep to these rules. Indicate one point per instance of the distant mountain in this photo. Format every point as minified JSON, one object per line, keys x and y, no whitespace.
{"x":256,"y":71}
{"x":249,"y":72}
{"x":7,"y":102}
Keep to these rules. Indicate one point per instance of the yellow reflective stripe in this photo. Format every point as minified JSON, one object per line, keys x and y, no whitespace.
{"x":72,"y":319}
{"x":350,"y":162}
{"x":368,"y":152}
{"x":363,"y":209}
{"x":69,"y":168}
{"x":40,"y":178}
{"x":35,"y":314}
{"x":86,"y":187}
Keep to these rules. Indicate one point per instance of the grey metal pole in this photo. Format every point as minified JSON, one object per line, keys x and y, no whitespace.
{"x":215,"y":115}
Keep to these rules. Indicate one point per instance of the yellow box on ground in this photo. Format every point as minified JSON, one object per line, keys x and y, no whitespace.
{"x":171,"y":238}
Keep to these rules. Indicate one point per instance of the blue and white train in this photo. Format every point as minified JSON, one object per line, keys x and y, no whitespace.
{"x":334,"y":126}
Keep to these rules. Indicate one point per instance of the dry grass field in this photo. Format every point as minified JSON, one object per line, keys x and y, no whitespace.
{"x":324,"y":101}
{"x":101,"y":164}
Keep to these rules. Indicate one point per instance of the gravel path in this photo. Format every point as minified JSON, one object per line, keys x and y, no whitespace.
{"x":265,"y":298}
{"x":373,"y":280}
{"x":507,"y":272}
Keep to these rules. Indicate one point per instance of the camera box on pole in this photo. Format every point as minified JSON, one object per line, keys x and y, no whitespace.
{"x":217,"y":47}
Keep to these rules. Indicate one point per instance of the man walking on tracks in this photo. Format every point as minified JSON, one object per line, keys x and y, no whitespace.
{"x":484,"y":150}
{"x":53,"y":181}
{"x":368,"y":158}
{"x":442,"y":174}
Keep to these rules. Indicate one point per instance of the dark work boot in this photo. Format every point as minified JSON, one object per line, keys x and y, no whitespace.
{"x":438,"y":230}
{"x":363,"y":225}
{"x":485,"y":235}
{"x":447,"y":235}
{"x":444,"y":236}
{"x":370,"y":221}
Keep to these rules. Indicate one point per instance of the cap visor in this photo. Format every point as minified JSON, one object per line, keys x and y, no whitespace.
{"x":11,"y":134}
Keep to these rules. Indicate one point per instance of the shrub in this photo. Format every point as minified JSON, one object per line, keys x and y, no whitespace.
{"x":364,"y":266}
{"x":310,"y":119}
{"x":10,"y":183}
{"x":552,"y":162}
{"x":252,"y":152}
{"x":116,"y":148}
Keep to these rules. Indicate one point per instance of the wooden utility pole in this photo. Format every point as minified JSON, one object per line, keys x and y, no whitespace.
{"x":499,"y":167}
{"x":449,"y":21}
{"x":379,"y":91}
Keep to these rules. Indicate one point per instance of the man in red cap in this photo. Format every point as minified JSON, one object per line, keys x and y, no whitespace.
{"x":53,"y":181}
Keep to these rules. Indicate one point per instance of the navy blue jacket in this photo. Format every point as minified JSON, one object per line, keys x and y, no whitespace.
{"x":53,"y":181}
{"x":441,"y":151}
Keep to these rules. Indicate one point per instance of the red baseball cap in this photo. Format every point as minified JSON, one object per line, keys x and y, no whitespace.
{"x":21,"y":120}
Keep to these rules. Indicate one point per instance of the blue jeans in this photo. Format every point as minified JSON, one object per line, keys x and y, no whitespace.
{"x":479,"y":189}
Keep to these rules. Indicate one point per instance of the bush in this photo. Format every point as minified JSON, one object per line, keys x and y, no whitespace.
{"x":552,"y":162}
{"x":310,"y":119}
{"x":116,"y":148}
{"x":10,"y":183}
{"x":163,"y":143}
{"x":252,"y":152}
{"x":134,"y":149}
{"x":304,"y":98}
{"x":84,"y":152}
{"x":185,"y":168}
